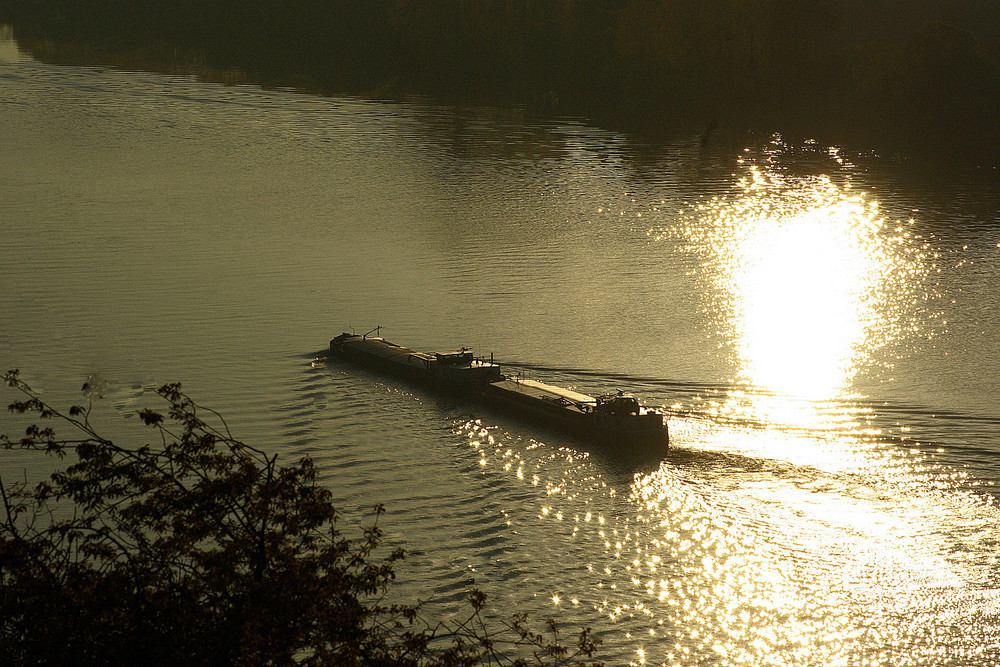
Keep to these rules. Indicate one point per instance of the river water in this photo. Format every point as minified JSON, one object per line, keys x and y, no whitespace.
{"x":821,"y":327}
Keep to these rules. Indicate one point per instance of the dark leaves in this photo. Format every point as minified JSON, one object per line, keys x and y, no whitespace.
{"x":202,"y":549}
{"x":150,"y":417}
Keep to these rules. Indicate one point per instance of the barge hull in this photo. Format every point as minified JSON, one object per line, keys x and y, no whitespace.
{"x":549,"y":405}
{"x":615,"y":419}
{"x":456,"y":371}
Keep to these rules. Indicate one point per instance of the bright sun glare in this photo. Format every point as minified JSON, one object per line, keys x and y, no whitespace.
{"x":806,"y":278}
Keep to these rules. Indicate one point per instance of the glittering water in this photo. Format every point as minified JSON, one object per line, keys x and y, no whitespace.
{"x":824,"y":335}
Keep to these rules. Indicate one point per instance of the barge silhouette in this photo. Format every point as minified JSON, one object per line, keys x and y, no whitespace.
{"x":616,"y":419}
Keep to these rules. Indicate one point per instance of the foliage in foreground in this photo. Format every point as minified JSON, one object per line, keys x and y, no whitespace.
{"x":201,"y":549}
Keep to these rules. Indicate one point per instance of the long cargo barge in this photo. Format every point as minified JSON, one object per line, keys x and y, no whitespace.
{"x":617,"y":419}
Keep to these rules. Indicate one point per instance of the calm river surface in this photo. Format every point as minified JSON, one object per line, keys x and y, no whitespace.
{"x":824,"y":334}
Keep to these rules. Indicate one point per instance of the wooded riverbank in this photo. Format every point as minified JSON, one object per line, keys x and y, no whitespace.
{"x":919,"y":77}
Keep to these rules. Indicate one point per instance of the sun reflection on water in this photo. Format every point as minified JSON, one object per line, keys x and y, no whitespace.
{"x":770,"y":569}
{"x":810,"y":281}
{"x":740,"y":561}
{"x":784,"y":528}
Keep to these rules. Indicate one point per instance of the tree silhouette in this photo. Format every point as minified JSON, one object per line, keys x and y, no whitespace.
{"x":203,"y":550}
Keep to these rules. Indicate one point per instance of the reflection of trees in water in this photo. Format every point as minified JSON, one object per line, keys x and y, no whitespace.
{"x":813,"y":68}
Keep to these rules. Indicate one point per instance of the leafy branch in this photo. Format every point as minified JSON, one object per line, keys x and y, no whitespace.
{"x":202,"y":549}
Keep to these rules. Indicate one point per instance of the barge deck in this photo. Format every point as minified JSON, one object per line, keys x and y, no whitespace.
{"x":616,"y":419}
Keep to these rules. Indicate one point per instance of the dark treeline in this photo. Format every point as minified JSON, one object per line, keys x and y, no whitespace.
{"x":920,"y":74}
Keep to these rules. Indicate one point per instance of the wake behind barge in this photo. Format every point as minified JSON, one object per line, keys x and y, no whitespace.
{"x":616,"y":419}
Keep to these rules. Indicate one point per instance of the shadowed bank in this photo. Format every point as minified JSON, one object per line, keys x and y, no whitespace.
{"x":917,"y":77}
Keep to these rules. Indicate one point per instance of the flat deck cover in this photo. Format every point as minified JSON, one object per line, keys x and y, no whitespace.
{"x":548,"y":391}
{"x":379,"y":347}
